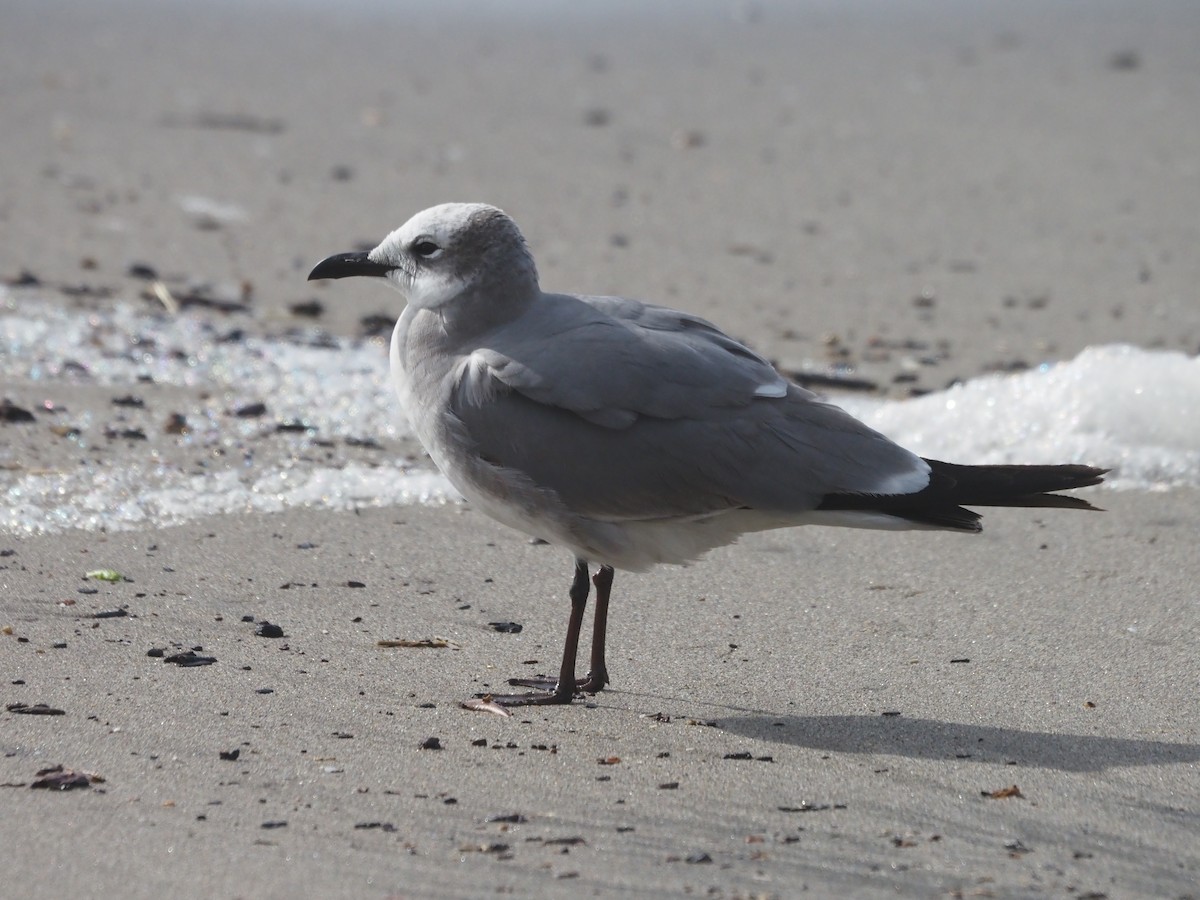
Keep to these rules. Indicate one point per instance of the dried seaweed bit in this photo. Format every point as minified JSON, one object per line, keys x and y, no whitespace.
{"x":382,"y":826}
{"x":431,"y":743}
{"x":213,"y":303}
{"x":251,"y":410}
{"x":364,"y":443}
{"x":24,"y":279}
{"x":669,"y":786}
{"x":127,"y":434}
{"x":63,"y":781}
{"x":60,"y":779}
{"x":507,"y":818}
{"x":807,"y":807}
{"x":355,"y":584}
{"x":506,"y":627}
{"x":743,"y":755}
{"x":479,"y":742}
{"x":275,"y":823}
{"x":230,"y":755}
{"x":309,"y":309}
{"x":295,"y":426}
{"x":269,"y":630}
{"x":189,"y":658}
{"x":36,"y":709}
{"x":698,"y":857}
{"x":1003,"y":793}
{"x":129,"y":400}
{"x":119,"y":613}
{"x":573,"y":840}
{"x":436,"y":643}
{"x":12,"y":414}
{"x":142,"y":271}
{"x":85,"y":290}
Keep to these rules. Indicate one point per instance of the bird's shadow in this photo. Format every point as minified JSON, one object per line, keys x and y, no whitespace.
{"x":931,"y":739}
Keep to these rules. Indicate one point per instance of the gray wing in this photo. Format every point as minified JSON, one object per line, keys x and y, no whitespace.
{"x":630,"y":411}
{"x":611,"y":360}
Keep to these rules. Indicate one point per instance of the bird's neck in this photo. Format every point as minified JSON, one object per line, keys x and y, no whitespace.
{"x":486,"y":307}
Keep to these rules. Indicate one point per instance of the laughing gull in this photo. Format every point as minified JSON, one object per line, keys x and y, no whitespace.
{"x":634,"y":434}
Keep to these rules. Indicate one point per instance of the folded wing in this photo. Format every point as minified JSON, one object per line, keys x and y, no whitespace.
{"x":629,"y":411}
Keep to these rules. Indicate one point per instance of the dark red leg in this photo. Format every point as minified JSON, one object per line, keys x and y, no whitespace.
{"x":563,"y":689}
{"x":598,"y":673}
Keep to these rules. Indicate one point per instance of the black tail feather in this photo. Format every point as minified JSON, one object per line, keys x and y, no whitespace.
{"x":953,"y":487}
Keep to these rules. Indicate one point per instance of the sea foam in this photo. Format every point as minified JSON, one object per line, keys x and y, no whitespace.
{"x":1133,"y":410}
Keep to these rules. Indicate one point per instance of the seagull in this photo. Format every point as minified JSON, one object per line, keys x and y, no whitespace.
{"x":631,"y":434}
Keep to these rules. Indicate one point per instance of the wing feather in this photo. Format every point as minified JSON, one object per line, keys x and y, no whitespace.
{"x":628,"y":412}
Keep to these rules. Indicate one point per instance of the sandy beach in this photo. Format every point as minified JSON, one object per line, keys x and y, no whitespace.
{"x":909,"y":194}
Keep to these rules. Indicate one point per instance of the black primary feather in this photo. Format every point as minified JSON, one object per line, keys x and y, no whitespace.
{"x":952,"y":487}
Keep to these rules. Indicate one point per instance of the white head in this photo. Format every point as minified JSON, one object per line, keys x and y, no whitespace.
{"x":451,"y":252}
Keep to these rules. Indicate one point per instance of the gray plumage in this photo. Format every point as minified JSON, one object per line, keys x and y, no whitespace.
{"x":629,"y":433}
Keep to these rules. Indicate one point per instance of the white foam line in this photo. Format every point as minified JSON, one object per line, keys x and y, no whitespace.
{"x":1134,"y":410}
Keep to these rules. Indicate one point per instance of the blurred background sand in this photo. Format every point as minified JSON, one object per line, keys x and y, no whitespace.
{"x":1004,"y":182}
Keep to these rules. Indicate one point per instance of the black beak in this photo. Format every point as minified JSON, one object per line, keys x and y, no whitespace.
{"x":343,"y":265}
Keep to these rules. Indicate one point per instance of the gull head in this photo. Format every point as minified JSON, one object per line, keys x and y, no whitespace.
{"x":445,"y":254}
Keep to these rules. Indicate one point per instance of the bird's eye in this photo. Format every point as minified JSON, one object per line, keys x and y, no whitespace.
{"x":427,"y":249}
